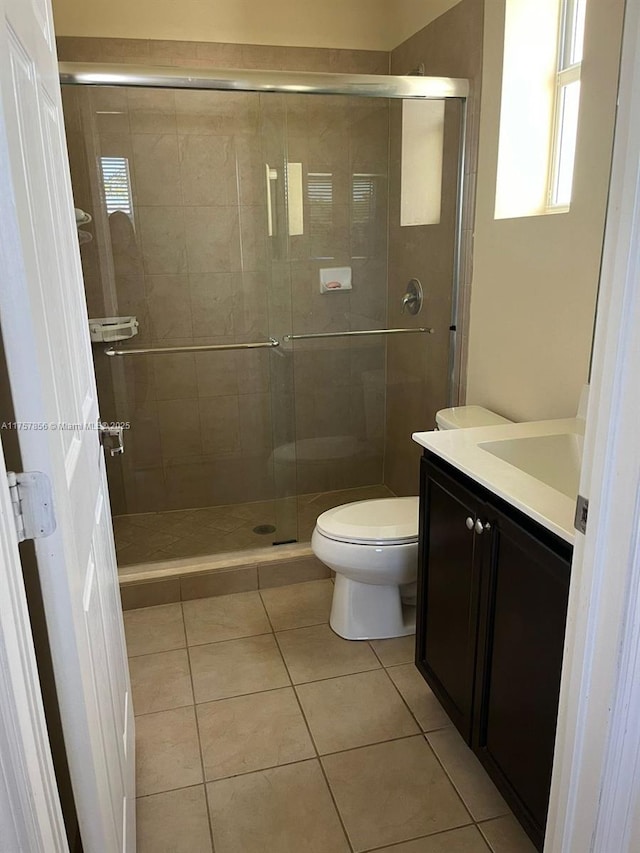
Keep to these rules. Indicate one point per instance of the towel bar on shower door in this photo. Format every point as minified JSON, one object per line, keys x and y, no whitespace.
{"x":288,"y":338}
{"x":272,"y":342}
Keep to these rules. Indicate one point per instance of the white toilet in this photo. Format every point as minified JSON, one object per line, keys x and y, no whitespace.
{"x":372,"y":546}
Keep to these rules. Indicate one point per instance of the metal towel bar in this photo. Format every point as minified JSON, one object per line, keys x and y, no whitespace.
{"x":272,"y":342}
{"x":288,"y":338}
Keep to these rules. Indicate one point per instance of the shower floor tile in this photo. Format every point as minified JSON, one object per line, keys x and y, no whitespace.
{"x":177,"y":534}
{"x":343,"y":762}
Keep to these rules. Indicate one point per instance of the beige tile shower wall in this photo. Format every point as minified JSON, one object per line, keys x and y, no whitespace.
{"x":340,"y":382}
{"x":202,"y":54}
{"x":411,"y":16}
{"x":417,"y":366}
{"x":196,"y":267}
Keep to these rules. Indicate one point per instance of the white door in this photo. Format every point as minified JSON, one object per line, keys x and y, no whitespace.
{"x":44,"y":326}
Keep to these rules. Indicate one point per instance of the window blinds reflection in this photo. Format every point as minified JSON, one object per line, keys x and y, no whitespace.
{"x":365,"y":202}
{"x":363,"y":199}
{"x":320,"y":195}
{"x":117,"y":185}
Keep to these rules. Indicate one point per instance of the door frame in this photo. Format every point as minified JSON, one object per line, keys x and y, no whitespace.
{"x":595,"y":797}
{"x":595,"y":793}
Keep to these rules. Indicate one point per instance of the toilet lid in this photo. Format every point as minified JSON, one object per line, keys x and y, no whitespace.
{"x":388,"y":521}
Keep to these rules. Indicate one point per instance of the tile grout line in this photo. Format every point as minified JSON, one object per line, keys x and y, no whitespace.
{"x":496,"y":849}
{"x":444,"y":769}
{"x":423,"y":731}
{"x":319,"y":754}
{"x":440,"y":832}
{"x":200,"y":751}
{"x":424,"y":735}
{"x":484,"y":837}
{"x":450,"y":777}
{"x":367,"y":745}
{"x":399,"y":692}
{"x":162,"y":651}
{"x":295,"y":686}
{"x":313,"y":742}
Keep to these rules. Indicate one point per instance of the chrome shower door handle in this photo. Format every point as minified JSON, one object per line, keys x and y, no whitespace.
{"x":111,"y":438}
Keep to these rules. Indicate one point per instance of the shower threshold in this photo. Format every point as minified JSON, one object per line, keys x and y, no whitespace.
{"x":161,"y":537}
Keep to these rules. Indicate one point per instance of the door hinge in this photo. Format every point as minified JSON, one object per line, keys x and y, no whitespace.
{"x":32,"y":503}
{"x":582,"y":511}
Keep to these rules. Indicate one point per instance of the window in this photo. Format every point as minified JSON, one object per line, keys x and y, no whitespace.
{"x":539,"y":106}
{"x":567,"y":101}
{"x":117,"y":185}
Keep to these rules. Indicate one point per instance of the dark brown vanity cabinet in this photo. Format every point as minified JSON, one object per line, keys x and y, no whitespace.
{"x":492,"y":602}
{"x":448,"y":594}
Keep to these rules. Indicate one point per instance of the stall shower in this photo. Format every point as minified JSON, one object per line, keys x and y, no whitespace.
{"x":245,"y":256}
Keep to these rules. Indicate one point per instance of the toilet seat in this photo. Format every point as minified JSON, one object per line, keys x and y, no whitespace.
{"x":385,"y":521}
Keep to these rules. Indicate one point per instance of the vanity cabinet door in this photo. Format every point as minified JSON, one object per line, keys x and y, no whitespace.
{"x":448,"y":593}
{"x":519,"y":665}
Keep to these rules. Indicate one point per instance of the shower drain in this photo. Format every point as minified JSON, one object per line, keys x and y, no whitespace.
{"x":263,"y":529}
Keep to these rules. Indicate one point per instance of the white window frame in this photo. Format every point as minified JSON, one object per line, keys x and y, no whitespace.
{"x":569,"y":70}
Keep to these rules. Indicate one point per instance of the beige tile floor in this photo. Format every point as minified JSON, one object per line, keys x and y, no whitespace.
{"x":155,"y":536}
{"x":258,"y":730}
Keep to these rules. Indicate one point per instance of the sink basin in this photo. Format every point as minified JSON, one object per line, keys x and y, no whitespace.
{"x":554,"y":459}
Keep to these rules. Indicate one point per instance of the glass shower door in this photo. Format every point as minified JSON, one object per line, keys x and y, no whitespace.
{"x":339,"y":277}
{"x":371,"y":202}
{"x":176,"y":189}
{"x":227,"y":219}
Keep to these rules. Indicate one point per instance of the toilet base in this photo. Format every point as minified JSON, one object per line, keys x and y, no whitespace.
{"x":365,"y":611}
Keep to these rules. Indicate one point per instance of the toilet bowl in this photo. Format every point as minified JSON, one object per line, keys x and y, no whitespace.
{"x":372,"y":546}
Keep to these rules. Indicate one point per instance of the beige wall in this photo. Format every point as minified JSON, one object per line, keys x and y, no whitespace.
{"x":535,"y":279}
{"x":330,"y":23}
{"x":357,"y":24}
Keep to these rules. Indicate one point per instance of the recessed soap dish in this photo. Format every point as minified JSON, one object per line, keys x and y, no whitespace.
{"x":109,"y":329}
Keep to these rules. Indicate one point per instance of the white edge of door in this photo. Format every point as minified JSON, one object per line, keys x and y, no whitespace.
{"x":30,"y":814}
{"x":595,"y":793}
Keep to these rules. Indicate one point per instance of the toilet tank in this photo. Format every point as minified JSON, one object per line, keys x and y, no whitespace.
{"x":460,"y":417}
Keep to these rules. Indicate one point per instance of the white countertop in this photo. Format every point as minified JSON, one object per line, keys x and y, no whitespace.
{"x":546,"y":505}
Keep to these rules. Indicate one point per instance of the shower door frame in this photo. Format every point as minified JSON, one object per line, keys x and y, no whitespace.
{"x":283,"y":82}
{"x":409,"y":87}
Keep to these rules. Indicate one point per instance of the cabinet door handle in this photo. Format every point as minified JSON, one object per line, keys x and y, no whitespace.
{"x":469,"y":523}
{"x":480,"y":527}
